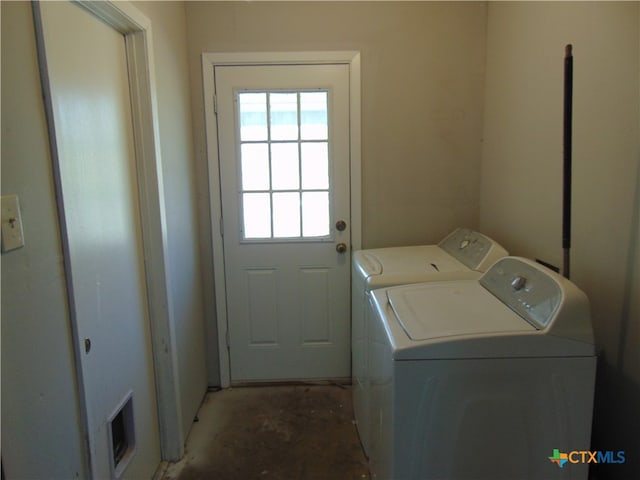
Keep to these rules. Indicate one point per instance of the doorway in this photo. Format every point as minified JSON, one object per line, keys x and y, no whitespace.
{"x":283,"y":138}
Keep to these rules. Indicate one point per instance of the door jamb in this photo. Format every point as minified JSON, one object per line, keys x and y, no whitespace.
{"x":211,"y":60}
{"x":123,"y":17}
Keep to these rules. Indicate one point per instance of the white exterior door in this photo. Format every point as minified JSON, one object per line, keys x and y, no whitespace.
{"x":283,"y":138}
{"x":88,"y":78}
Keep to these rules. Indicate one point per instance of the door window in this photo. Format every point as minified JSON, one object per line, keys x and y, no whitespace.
{"x":284,"y":164}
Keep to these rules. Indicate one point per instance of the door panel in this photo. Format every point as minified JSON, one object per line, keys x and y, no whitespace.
{"x":88,"y":78}
{"x":283,"y":136}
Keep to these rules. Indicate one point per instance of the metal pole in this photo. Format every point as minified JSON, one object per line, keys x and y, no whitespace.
{"x":567,"y":147}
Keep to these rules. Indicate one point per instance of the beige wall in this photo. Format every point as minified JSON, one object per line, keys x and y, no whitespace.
{"x":422,"y":94}
{"x":181,"y":201}
{"x":522,"y":170}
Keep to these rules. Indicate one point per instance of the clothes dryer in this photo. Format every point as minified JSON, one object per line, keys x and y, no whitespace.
{"x":481,"y":379}
{"x":463,"y":254}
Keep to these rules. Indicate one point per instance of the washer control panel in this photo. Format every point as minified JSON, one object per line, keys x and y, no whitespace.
{"x":467,"y":246}
{"x":528,"y":289}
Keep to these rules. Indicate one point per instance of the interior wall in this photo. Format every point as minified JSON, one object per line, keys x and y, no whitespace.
{"x":41,"y":422}
{"x":422,"y":86}
{"x":178,"y":169}
{"x":520,"y":200}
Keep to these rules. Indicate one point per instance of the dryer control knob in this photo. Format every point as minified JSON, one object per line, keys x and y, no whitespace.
{"x":518,"y":283}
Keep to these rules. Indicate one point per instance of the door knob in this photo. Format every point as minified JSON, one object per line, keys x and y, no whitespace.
{"x":341,"y":247}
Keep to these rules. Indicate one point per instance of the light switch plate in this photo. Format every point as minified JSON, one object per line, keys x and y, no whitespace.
{"x":12,"y":236}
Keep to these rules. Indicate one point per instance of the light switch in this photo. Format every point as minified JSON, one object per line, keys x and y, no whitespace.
{"x":12,"y":237}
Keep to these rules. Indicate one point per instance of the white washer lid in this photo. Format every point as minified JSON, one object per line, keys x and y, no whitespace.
{"x":413,"y":259}
{"x":462,"y":319}
{"x":452,"y":309}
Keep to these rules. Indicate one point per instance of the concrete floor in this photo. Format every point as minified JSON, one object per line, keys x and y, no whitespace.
{"x":300,"y":432}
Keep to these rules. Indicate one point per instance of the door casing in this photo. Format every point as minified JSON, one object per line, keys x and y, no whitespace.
{"x":209,"y":61}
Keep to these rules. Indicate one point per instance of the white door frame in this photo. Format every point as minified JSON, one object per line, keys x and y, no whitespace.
{"x":123,"y":17}
{"x":211,"y":60}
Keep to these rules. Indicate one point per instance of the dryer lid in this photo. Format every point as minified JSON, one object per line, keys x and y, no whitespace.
{"x":419,"y":259}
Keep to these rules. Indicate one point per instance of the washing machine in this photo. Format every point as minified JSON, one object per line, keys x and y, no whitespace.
{"x":463,"y":253}
{"x":481,"y":379}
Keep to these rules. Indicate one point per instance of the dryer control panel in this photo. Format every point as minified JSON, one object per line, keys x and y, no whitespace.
{"x":530,"y":291}
{"x":472,"y":249}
